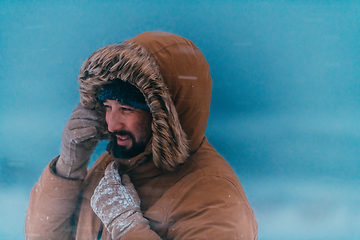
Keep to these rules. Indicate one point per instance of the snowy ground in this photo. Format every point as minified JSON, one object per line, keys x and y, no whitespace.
{"x":300,"y":175}
{"x":299,"y":172}
{"x":13,"y":205}
{"x":306,"y":209}
{"x":285,"y":209}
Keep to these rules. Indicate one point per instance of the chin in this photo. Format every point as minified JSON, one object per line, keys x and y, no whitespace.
{"x":124,"y":152}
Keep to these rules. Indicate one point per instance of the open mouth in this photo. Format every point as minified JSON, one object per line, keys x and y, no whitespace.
{"x":123,"y":139}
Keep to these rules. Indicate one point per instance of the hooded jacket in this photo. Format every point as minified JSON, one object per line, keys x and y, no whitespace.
{"x":187,"y":190}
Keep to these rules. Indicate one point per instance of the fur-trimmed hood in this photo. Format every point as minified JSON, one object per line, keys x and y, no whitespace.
{"x":174,"y":77}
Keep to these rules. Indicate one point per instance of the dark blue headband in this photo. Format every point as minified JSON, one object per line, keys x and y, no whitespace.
{"x":123,"y":92}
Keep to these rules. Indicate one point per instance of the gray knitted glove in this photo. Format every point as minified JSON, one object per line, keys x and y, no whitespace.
{"x":81,"y":134}
{"x":117,"y":203}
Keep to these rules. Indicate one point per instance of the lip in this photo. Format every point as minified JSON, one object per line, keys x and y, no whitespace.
{"x":123,"y":139}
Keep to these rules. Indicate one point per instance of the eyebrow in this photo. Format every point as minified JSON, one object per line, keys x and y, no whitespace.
{"x":121,"y":104}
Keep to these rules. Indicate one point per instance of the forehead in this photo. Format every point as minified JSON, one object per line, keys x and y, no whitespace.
{"x":115,"y":103}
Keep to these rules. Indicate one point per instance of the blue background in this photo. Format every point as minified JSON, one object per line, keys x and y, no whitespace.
{"x":285,"y":106}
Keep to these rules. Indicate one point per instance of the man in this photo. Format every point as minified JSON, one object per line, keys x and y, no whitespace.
{"x":160,"y":179}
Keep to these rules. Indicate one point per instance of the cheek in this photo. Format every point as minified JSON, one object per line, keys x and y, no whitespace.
{"x":147,"y":127}
{"x":143,"y":128}
{"x":107,"y":118}
{"x":111,"y":123}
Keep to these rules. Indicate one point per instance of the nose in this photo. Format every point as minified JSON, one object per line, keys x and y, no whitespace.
{"x":114,"y":120}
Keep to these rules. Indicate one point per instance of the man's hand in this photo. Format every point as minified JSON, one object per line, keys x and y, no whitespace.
{"x":81,"y":134}
{"x":116,"y":203}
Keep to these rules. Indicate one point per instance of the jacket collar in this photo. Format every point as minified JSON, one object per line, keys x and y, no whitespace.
{"x":140,"y":168}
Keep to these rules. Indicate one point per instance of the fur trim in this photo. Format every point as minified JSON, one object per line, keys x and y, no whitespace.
{"x":132,"y":63}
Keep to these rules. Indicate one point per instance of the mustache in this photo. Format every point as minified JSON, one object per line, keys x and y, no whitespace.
{"x":122,"y":133}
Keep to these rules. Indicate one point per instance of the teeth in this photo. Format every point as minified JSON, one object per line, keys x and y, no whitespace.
{"x":123,"y":137}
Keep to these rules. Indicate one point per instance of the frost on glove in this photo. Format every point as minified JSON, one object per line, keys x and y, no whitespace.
{"x":116,"y":202}
{"x":82,"y":132}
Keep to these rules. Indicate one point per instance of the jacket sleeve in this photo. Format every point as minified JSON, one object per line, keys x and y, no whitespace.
{"x":52,"y":206}
{"x":141,"y":231}
{"x":211,"y":207}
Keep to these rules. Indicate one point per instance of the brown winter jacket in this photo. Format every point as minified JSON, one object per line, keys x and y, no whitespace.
{"x":187,"y":190}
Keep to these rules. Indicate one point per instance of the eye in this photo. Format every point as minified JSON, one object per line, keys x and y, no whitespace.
{"x":127,"y":109}
{"x":107,"y":107}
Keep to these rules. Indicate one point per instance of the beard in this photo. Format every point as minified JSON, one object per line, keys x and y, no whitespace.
{"x":121,"y":151}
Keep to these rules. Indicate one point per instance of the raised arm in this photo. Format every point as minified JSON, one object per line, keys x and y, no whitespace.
{"x":54,"y":199}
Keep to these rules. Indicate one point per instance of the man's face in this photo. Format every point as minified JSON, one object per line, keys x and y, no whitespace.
{"x":131,"y":128}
